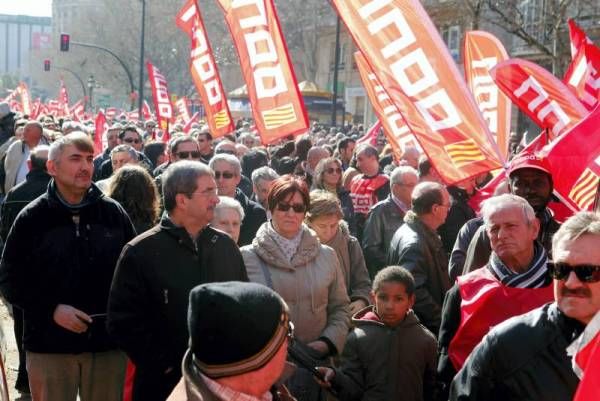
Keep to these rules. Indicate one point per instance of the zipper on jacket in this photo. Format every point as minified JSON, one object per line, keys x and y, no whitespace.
{"x":166,"y":296}
{"x":75,"y":218}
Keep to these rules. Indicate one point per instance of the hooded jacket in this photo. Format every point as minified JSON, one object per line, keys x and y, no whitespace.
{"x":312,"y":284}
{"x":382,"y":363}
{"x":58,"y":253}
{"x":352,"y":263}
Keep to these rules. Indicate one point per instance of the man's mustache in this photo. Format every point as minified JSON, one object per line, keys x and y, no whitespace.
{"x":580,"y":292}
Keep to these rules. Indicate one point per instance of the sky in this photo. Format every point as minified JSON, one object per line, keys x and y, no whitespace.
{"x":38,"y":8}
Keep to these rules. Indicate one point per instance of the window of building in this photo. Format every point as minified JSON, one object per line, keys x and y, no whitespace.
{"x":451,"y":36}
{"x":532,"y":15}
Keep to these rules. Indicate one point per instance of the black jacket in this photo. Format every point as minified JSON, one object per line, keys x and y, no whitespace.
{"x":63,"y":254}
{"x":98,"y":161}
{"x":461,"y":245}
{"x":35,"y":184}
{"x":459,"y":213}
{"x":419,"y":249}
{"x":523,"y":358}
{"x":147,"y":311}
{"x":254,"y":217}
{"x":7,"y":127}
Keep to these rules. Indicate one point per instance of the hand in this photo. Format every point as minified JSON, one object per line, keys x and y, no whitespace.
{"x":357,"y":305}
{"x":319,"y":346}
{"x":328,"y":375}
{"x":71,"y":318}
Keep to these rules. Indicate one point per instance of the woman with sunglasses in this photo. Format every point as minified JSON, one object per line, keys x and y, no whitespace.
{"x":328,"y":176}
{"x":325,"y":217}
{"x":288,"y":257}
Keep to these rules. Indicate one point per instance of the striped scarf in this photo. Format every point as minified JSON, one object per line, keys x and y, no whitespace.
{"x":535,"y":277}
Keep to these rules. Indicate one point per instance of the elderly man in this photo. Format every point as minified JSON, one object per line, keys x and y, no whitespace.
{"x":57,"y":265}
{"x":417,"y":247}
{"x":386,"y":216}
{"x":15,"y":162}
{"x":112,"y":140}
{"x":119,"y":156}
{"x":514,"y":281}
{"x":530,"y":178}
{"x":156,"y":271}
{"x":240,"y":357}
{"x":525,"y":358}
{"x":368,"y":188}
{"x":262,"y":178}
{"x":227,"y":170}
{"x":313,"y":157}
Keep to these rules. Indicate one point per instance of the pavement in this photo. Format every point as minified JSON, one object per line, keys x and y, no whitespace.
{"x":10,"y":355}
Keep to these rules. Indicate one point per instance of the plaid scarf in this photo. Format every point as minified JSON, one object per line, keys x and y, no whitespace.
{"x":535,"y":277}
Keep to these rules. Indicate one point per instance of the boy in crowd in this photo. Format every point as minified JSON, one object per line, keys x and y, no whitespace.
{"x":389,"y":355}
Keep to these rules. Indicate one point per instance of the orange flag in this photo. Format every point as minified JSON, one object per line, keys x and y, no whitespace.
{"x":277,"y":106}
{"x":395,"y":129}
{"x":411,"y":61}
{"x":205,"y":74}
{"x":482,"y":52}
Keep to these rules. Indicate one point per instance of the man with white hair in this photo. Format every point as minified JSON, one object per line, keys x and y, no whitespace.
{"x":386,"y":216}
{"x":525,"y":357}
{"x":15,"y":162}
{"x":514,"y":281}
{"x":262,"y":178}
{"x":314,"y":156}
{"x":119,"y":156}
{"x":228,"y":173}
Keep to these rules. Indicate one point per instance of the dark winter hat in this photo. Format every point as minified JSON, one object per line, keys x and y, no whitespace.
{"x":235,"y":327}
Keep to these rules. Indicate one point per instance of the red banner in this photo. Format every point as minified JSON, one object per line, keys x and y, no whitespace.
{"x":36,"y":109}
{"x":53,"y":107}
{"x":160,"y":95}
{"x":277,"y":106}
{"x":25,"y":98}
{"x":78,"y":110}
{"x":583,"y":75}
{"x":188,"y":126}
{"x":577,"y":37}
{"x":147,"y":113}
{"x":63,"y":100}
{"x":539,"y":94}
{"x":370,"y":136}
{"x":574,"y":159}
{"x":411,"y":61}
{"x":482,"y":52}
{"x":100,"y":133}
{"x":585,"y":353}
{"x":183,"y":113}
{"x":395,"y":129}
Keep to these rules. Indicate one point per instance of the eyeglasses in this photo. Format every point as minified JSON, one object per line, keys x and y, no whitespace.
{"x":226,"y":151}
{"x":332,"y":170}
{"x":188,"y":155}
{"x":290,"y":333}
{"x":297,"y":207}
{"x":585,"y":273}
{"x":132,"y":140}
{"x":207,"y":192}
{"x":226,"y":175}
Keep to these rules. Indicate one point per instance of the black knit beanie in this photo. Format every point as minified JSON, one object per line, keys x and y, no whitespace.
{"x":235,"y":327}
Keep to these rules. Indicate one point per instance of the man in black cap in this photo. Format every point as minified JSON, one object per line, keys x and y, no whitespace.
{"x":238,"y":344}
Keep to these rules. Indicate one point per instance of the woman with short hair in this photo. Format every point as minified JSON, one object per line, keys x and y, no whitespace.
{"x":228,"y":217}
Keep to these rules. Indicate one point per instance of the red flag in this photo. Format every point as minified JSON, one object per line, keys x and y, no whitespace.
{"x":111,"y":113}
{"x":160,"y":95}
{"x":11,"y":96}
{"x":188,"y":126}
{"x":99,"y":134}
{"x":585,"y":351}
{"x":411,"y":61}
{"x":396,"y":131}
{"x":583,"y":75}
{"x":188,"y":17}
{"x":482,"y":52}
{"x":25,"y":98}
{"x":36,"y":109}
{"x":277,"y":106}
{"x":539,"y":94}
{"x":577,"y":37}
{"x":63,"y":100}
{"x":183,"y":113}
{"x":574,"y":160}
{"x":78,"y":110}
{"x":147,"y":113}
{"x":53,"y":107}
{"x":370,"y":136}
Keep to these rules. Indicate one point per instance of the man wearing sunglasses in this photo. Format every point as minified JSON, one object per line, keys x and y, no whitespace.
{"x":227,"y":170}
{"x":132,"y":137}
{"x":525,"y":357}
{"x":514,"y":281}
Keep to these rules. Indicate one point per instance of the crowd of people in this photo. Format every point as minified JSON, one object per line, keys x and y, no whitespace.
{"x":184,"y":270}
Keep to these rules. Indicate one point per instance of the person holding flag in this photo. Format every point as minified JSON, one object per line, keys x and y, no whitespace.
{"x":525,"y":357}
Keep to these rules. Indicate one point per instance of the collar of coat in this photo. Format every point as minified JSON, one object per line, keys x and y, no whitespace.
{"x":267,"y":249}
{"x":92,"y":195}
{"x":431,"y":237}
{"x":183,"y":237}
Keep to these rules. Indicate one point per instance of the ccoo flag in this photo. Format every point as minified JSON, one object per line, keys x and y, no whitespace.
{"x":482,"y":52}
{"x":407,"y":54}
{"x":160,"y":95}
{"x":583,"y":75}
{"x":277,"y":106}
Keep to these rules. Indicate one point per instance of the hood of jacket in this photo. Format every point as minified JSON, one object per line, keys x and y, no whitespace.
{"x":267,"y":249}
{"x":368,"y":317}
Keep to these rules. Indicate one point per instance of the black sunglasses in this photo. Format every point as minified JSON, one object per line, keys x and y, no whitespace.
{"x":332,"y":170}
{"x":187,"y":155}
{"x":227,"y":175}
{"x":132,"y":140}
{"x":585,"y":273}
{"x":297,"y":207}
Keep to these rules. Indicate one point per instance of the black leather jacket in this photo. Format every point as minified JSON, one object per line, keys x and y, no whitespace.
{"x":523,"y":358}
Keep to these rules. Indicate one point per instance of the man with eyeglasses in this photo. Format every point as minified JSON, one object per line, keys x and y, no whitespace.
{"x":417,"y":247}
{"x":513,"y":282}
{"x":156,"y":271}
{"x":386,"y":217}
{"x":227,"y":170}
{"x":525,"y":358}
{"x":132,"y":137}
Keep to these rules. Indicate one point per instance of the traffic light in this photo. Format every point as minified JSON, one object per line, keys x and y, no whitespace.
{"x":46,"y":65}
{"x":64,"y":42}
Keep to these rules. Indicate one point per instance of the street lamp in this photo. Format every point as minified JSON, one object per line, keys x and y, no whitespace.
{"x":141,"y":85}
{"x":91,"y":83}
